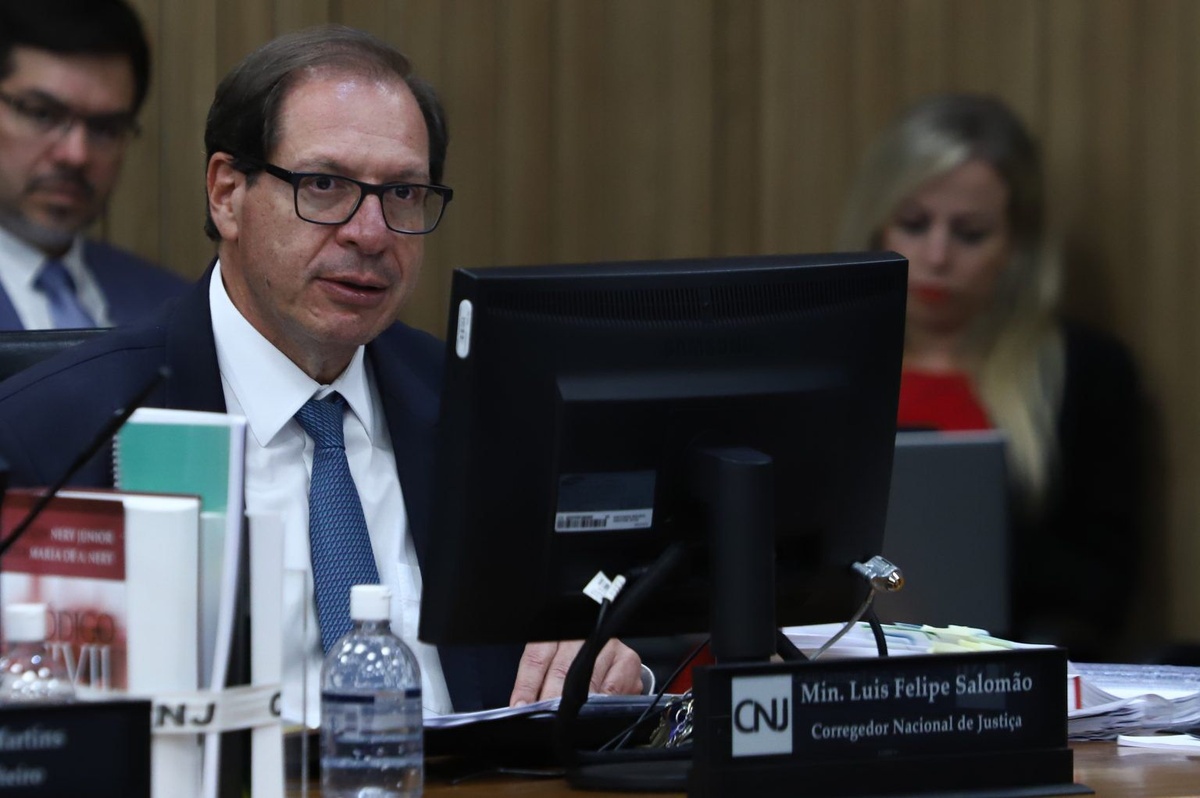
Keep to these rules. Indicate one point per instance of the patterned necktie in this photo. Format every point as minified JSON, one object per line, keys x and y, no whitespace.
{"x":337,"y":528}
{"x":65,"y":310}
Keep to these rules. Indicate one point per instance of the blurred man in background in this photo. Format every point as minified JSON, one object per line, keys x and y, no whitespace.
{"x":73,"y":75}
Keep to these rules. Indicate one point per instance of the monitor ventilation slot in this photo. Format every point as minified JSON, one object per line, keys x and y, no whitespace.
{"x":699,"y":305}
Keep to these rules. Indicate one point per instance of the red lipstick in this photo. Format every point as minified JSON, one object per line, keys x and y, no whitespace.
{"x":931,"y":295}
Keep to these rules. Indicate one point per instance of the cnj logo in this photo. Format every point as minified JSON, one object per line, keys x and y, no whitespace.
{"x":762,"y":715}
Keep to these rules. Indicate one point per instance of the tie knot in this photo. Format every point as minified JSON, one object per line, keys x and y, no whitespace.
{"x":54,"y":277}
{"x":322,"y":420}
{"x":66,"y":310}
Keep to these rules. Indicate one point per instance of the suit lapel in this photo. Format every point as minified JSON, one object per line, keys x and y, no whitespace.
{"x":191,"y":353}
{"x":9,"y":320}
{"x":410,"y":405}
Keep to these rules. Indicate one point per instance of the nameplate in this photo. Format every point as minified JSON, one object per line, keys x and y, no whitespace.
{"x":89,"y":749}
{"x":942,"y":716}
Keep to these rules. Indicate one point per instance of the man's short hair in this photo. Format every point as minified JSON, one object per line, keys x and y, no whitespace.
{"x":76,"y":27}
{"x":243,"y":120}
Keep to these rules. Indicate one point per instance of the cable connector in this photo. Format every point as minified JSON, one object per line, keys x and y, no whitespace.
{"x":881,"y":573}
{"x":601,"y":588}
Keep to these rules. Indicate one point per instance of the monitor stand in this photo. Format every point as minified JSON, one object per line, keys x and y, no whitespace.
{"x":736,"y":484}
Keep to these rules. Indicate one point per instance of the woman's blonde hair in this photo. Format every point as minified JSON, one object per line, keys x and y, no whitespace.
{"x":1016,"y":345}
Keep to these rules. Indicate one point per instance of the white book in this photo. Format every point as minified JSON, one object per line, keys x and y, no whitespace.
{"x":168,"y":450}
{"x":118,"y":572}
{"x":266,"y":647}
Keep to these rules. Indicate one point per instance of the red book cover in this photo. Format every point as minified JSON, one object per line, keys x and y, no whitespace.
{"x":72,"y":558}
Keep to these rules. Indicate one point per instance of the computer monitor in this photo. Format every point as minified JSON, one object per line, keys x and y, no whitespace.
{"x":579,"y":400}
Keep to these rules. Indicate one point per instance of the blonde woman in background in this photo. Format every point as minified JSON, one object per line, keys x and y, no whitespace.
{"x":955,"y":185}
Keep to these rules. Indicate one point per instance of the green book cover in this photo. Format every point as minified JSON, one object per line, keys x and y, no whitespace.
{"x":176,"y":458}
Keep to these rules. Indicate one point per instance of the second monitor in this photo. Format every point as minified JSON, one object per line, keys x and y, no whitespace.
{"x":579,"y":402}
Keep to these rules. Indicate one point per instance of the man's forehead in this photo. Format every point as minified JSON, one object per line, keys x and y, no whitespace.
{"x":303,"y":125}
{"x":336,"y":79}
{"x":97,"y":83}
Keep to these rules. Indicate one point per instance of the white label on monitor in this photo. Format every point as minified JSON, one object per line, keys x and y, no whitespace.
{"x":761,"y":715}
{"x":601,"y":588}
{"x":594,"y":521}
{"x":605,"y":501}
{"x":462,"y":336}
{"x":598,"y":589}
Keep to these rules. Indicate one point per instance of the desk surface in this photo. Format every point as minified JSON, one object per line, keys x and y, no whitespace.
{"x":1112,"y":771}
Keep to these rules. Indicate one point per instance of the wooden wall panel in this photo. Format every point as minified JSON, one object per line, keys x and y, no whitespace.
{"x":186,"y":73}
{"x":581,"y":119}
{"x":995,"y":49}
{"x":737,"y":104}
{"x":805,"y":153}
{"x":296,"y":14}
{"x":1161,"y":281}
{"x":365,"y":14}
{"x":667,"y":128}
{"x":926,"y":34}
{"x":877,"y":86}
{"x":139,"y":193}
{"x":688,"y":151}
{"x":524,"y":168}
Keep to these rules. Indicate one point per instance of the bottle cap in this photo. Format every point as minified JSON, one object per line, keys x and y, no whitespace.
{"x":370,"y":603}
{"x":24,"y":623}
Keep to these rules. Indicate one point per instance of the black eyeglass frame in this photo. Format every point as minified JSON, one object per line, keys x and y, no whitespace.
{"x":113,"y":129}
{"x":246,"y":164}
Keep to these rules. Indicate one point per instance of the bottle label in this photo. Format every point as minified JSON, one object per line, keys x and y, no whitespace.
{"x":331,"y":697}
{"x":349,"y":715}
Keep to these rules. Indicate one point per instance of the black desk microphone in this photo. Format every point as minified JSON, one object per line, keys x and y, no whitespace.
{"x":105,"y":434}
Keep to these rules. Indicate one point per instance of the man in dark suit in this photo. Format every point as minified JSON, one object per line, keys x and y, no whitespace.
{"x":73,"y":75}
{"x":325,"y":156}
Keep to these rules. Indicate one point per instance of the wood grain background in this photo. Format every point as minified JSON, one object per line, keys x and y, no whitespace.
{"x":610,"y":129}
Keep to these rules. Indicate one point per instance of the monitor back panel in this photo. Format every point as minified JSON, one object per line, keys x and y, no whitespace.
{"x":948,"y":531}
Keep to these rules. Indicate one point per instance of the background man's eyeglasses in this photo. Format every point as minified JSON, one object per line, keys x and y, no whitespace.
{"x":410,"y":208}
{"x":43,"y":117}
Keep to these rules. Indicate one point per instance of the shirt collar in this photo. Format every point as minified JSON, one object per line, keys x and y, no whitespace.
{"x":269,"y":386}
{"x":24,"y":260}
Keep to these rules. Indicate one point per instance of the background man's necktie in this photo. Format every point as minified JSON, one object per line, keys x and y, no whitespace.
{"x":65,"y":310}
{"x":337,"y":528}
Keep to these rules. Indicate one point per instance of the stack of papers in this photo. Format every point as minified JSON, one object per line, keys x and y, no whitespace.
{"x":1180,"y":743}
{"x":902,"y":639}
{"x":1107,"y":702}
{"x":597,"y":705}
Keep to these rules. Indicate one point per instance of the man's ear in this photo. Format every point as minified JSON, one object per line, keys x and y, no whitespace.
{"x":226,"y":188}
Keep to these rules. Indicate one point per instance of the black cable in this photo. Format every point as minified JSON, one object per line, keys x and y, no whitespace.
{"x":787,"y":650}
{"x":877,"y":631}
{"x":610,"y":619}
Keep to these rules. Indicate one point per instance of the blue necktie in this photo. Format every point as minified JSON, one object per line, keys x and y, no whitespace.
{"x":65,"y":310}
{"x":337,"y":528}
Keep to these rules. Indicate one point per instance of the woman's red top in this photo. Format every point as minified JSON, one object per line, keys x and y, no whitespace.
{"x":942,"y":401}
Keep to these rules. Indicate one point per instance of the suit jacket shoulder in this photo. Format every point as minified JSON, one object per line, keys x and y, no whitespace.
{"x":133,"y":286}
{"x":51,"y":411}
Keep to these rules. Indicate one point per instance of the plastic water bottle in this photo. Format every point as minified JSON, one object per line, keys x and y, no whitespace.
{"x":372,"y":743}
{"x":27,"y":670}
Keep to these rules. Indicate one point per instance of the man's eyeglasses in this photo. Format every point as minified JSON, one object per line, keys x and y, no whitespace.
{"x":42,"y":117}
{"x":411,"y":208}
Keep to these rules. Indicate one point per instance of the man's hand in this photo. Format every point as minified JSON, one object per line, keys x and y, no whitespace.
{"x":544,"y":667}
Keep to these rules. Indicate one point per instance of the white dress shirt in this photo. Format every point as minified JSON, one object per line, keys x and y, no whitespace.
{"x":262,"y":384}
{"x":20,"y":264}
